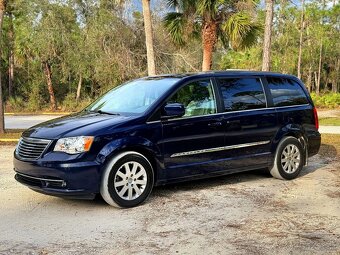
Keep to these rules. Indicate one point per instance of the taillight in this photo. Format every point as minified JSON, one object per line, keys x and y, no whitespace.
{"x":316,"y":120}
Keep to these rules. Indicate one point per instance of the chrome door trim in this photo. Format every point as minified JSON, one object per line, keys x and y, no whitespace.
{"x":223,"y":148}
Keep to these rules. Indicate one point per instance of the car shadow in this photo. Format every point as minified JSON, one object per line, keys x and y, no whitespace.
{"x":327,"y":155}
{"x":206,"y":183}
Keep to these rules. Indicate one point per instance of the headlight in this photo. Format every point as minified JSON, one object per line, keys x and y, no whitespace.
{"x":74,"y":145}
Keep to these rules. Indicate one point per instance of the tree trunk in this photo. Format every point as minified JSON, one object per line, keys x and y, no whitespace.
{"x":315,"y":80}
{"x":2,"y":119}
{"x":302,"y":25}
{"x":149,"y":37}
{"x":267,"y":35}
{"x":48,"y":74}
{"x":79,"y":87}
{"x":319,"y":71}
{"x":309,"y":78}
{"x":335,"y":81}
{"x":209,"y":35}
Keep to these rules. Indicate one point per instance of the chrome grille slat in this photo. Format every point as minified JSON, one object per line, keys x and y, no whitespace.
{"x":31,"y":148}
{"x":24,"y":144}
{"x":27,"y":149}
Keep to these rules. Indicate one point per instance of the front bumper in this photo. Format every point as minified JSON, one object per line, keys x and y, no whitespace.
{"x":76,"y":179}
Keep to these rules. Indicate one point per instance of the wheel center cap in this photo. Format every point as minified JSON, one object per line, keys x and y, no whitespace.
{"x":130,"y":180}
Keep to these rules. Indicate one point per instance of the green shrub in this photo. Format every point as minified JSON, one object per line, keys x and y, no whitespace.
{"x":327,"y":100}
{"x":15,"y":104}
{"x":71,"y":105}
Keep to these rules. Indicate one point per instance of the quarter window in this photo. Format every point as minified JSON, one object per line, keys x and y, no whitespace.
{"x":197,"y":97}
{"x":286,"y":92}
{"x":242,"y":94}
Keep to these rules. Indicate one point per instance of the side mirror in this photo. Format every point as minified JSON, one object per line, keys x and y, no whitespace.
{"x":173,"y":110}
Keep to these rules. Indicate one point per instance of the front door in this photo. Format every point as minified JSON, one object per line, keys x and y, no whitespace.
{"x":191,"y":143}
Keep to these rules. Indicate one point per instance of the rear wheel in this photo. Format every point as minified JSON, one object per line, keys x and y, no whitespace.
{"x":127,"y":180}
{"x":289,"y":159}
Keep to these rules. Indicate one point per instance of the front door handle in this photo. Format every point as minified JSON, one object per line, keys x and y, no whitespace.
{"x":215,"y":124}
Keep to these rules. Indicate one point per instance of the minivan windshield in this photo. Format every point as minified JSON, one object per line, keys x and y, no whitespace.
{"x":132,"y":97}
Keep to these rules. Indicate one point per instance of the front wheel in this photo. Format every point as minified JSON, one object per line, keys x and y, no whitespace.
{"x":289,"y":159}
{"x":127,"y":180}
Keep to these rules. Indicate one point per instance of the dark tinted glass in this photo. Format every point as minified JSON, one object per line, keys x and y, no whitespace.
{"x":242,"y":94}
{"x":286,"y":92}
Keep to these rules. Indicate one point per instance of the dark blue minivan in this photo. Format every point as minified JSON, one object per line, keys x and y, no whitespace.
{"x":171,"y":128}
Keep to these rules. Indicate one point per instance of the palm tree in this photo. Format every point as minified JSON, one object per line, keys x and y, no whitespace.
{"x":232,"y":22}
{"x":2,"y":121}
{"x":149,"y":37}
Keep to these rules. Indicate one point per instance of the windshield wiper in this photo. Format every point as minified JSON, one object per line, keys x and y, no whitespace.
{"x":103,"y":112}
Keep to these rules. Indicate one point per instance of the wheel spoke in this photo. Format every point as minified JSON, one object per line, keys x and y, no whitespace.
{"x":289,"y":167}
{"x":127,"y":168}
{"x":141,"y":182}
{"x":122,"y":192}
{"x":121,"y":175}
{"x":138,"y":191}
{"x":130,"y":193}
{"x":284,"y":160}
{"x":296,"y":160}
{"x":134,"y":168}
{"x":140,"y":173}
{"x":296,"y":154}
{"x":120,"y":183}
{"x":285,"y":154}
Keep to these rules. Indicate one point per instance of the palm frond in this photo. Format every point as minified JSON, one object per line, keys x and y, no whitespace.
{"x":175,"y":22}
{"x":208,"y":8}
{"x":241,"y":30}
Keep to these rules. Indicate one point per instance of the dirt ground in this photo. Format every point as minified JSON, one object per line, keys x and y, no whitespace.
{"x":247,"y":213}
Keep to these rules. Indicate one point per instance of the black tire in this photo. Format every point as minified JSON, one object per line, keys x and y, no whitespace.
{"x":286,"y":167}
{"x":118,"y":180}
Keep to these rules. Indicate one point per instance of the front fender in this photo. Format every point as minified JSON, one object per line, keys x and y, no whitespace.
{"x":127,"y":143}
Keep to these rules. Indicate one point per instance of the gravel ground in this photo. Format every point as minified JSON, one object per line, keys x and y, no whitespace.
{"x":247,"y":213}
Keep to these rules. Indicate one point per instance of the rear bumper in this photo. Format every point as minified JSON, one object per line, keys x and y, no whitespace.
{"x":74,"y":180}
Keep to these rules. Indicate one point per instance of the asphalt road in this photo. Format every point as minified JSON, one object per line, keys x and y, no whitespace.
{"x":26,"y":121}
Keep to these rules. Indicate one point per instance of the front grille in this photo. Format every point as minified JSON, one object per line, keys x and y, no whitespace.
{"x":31,"y":148}
{"x":40,"y":182}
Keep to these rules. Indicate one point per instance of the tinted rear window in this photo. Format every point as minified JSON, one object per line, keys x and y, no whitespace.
{"x":286,"y":92}
{"x":242,"y":94}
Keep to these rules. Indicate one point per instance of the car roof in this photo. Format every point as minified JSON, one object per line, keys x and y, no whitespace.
{"x":231,"y":72}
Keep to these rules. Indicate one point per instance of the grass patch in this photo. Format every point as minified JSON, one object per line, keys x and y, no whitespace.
{"x":329,"y":121}
{"x":330,"y":145}
{"x":10,"y":134}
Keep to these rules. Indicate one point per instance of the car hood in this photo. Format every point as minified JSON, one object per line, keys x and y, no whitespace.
{"x":76,"y":124}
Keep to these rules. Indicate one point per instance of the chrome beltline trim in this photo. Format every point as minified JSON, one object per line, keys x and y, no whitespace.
{"x":226,"y":113}
{"x":223,"y":148}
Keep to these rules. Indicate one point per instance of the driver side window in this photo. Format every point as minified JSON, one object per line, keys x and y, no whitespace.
{"x":197,"y":97}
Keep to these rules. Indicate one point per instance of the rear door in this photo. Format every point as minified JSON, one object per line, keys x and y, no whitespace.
{"x":191,"y":143}
{"x":249,"y":124}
